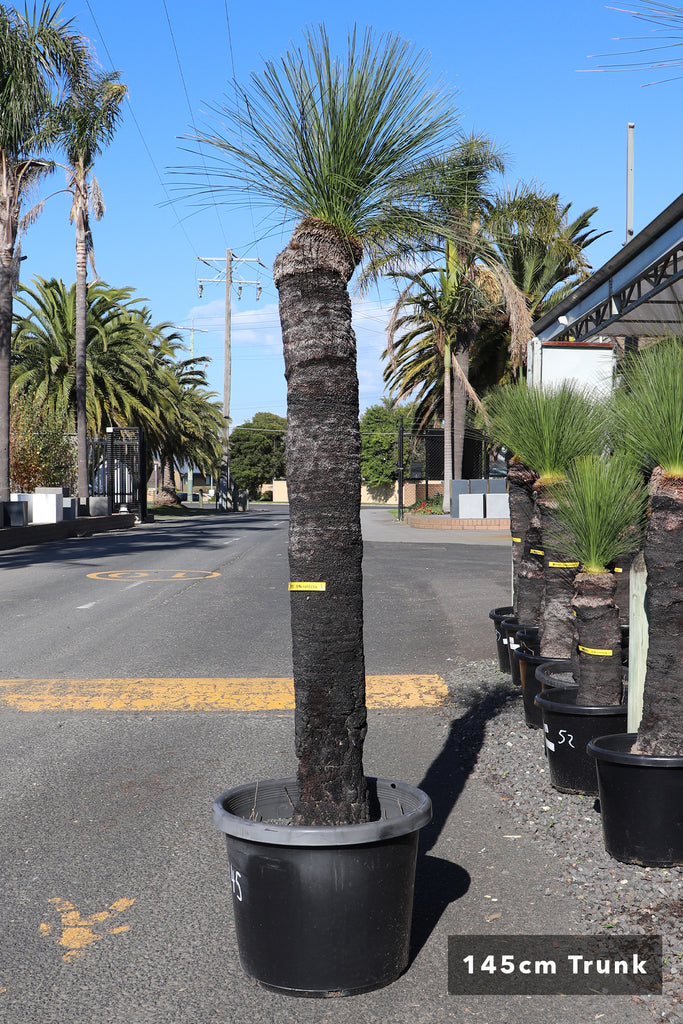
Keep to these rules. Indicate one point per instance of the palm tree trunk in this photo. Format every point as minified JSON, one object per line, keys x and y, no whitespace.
{"x":661,"y":727}
{"x":81,"y":342}
{"x":459,"y":413}
{"x":325,"y":546}
{"x":598,"y":637}
{"x":5,"y":362}
{"x":447,"y":426}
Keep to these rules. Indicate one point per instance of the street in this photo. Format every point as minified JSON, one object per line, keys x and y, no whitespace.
{"x":207,"y":597}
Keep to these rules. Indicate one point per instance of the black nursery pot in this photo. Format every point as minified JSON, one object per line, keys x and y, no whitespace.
{"x":553,"y":674}
{"x":528,"y":664}
{"x":641,"y":802}
{"x":497,"y":615}
{"x":510,"y":627}
{"x":322,"y":910}
{"x":568,"y":728}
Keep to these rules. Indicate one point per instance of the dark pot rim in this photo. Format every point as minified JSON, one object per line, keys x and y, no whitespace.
{"x":616,"y":749}
{"x":498,"y":614}
{"x":556,"y":700}
{"x":403,"y":808}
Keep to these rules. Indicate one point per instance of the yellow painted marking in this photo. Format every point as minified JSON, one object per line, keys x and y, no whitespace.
{"x":153,"y":575}
{"x":307,"y":586}
{"x":595,"y":650}
{"x":563,"y":565}
{"x":260,"y":694}
{"x":77,"y":933}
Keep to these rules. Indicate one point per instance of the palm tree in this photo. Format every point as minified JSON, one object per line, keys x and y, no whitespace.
{"x":118,"y":353}
{"x":649,"y":421}
{"x":334,"y":142}
{"x":87,"y":122}
{"x":36,"y":55}
{"x":598,"y":516}
{"x":546,"y":429}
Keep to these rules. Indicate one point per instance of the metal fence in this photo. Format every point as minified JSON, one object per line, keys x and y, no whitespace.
{"x":117,"y":468}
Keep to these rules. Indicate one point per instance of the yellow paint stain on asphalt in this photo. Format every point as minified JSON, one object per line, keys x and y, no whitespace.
{"x":151,"y":694}
{"x":78,"y":932}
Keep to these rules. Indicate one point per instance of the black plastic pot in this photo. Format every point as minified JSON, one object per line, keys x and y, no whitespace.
{"x":497,"y":615}
{"x":528,"y":664}
{"x":553,"y":674}
{"x":321,"y":910}
{"x":510,"y":628}
{"x":641,"y":802}
{"x":568,"y":728}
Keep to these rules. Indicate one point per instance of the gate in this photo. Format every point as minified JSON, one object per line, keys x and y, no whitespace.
{"x":118,"y":470}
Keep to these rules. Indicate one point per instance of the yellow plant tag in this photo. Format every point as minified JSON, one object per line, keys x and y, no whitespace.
{"x":563,"y":565}
{"x":536,"y":551}
{"x":617,"y":569}
{"x":517,"y":540}
{"x":595,"y":650}
{"x":307,"y":586}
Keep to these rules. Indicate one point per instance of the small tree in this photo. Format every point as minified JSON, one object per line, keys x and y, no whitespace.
{"x":649,"y":421}
{"x":379,"y":429}
{"x":42,"y":454}
{"x":547,"y":428}
{"x":336,"y":142}
{"x":599,"y":515}
{"x":257,"y":451}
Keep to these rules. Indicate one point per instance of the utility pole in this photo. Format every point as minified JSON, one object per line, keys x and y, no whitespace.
{"x":226,"y":496}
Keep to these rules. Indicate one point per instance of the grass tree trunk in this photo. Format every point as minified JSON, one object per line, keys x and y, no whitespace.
{"x":527,"y":587}
{"x":81,"y":349}
{"x":5,"y":360}
{"x":325,"y":546}
{"x":598,"y":639}
{"x":661,"y":727}
{"x":557,"y":617}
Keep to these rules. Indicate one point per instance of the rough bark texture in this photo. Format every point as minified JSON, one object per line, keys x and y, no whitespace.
{"x":323,"y":479}
{"x":661,"y":727}
{"x":597,"y":632}
{"x":5,"y":357}
{"x":525,"y":588}
{"x":622,"y":598}
{"x":81,"y":375}
{"x":557,"y":618}
{"x":531,"y":586}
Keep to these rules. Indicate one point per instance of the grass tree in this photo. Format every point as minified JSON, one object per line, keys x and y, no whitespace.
{"x":546,"y":429}
{"x":649,"y":422}
{"x":38,"y":55}
{"x":599,"y":515}
{"x":86,"y":120}
{"x":333,"y":142}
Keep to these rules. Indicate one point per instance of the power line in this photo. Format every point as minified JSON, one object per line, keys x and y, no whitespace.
{"x":142,"y":137}
{"x":189,"y":107}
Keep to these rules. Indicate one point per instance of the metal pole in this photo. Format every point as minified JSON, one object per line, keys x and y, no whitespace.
{"x":629,"y":182}
{"x":224,"y":482}
{"x":190,"y":465}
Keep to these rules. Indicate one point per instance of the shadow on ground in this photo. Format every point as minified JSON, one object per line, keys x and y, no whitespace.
{"x":439,"y":882}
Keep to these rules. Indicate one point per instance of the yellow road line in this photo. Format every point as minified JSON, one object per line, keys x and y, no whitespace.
{"x":262,"y":694}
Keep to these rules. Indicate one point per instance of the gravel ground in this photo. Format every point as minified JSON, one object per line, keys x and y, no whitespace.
{"x":615,"y":898}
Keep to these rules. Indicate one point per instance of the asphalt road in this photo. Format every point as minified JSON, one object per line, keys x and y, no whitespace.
{"x":115,"y":889}
{"x":208,"y":597}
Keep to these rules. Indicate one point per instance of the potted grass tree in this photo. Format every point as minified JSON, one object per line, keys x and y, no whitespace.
{"x":545,"y":429}
{"x":323,"y":864}
{"x":598,"y":516}
{"x":640,"y":775}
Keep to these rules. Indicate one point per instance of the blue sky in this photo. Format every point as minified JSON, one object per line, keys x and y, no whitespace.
{"x":514,"y":66}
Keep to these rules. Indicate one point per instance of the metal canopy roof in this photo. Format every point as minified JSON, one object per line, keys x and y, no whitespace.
{"x":638,"y":292}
